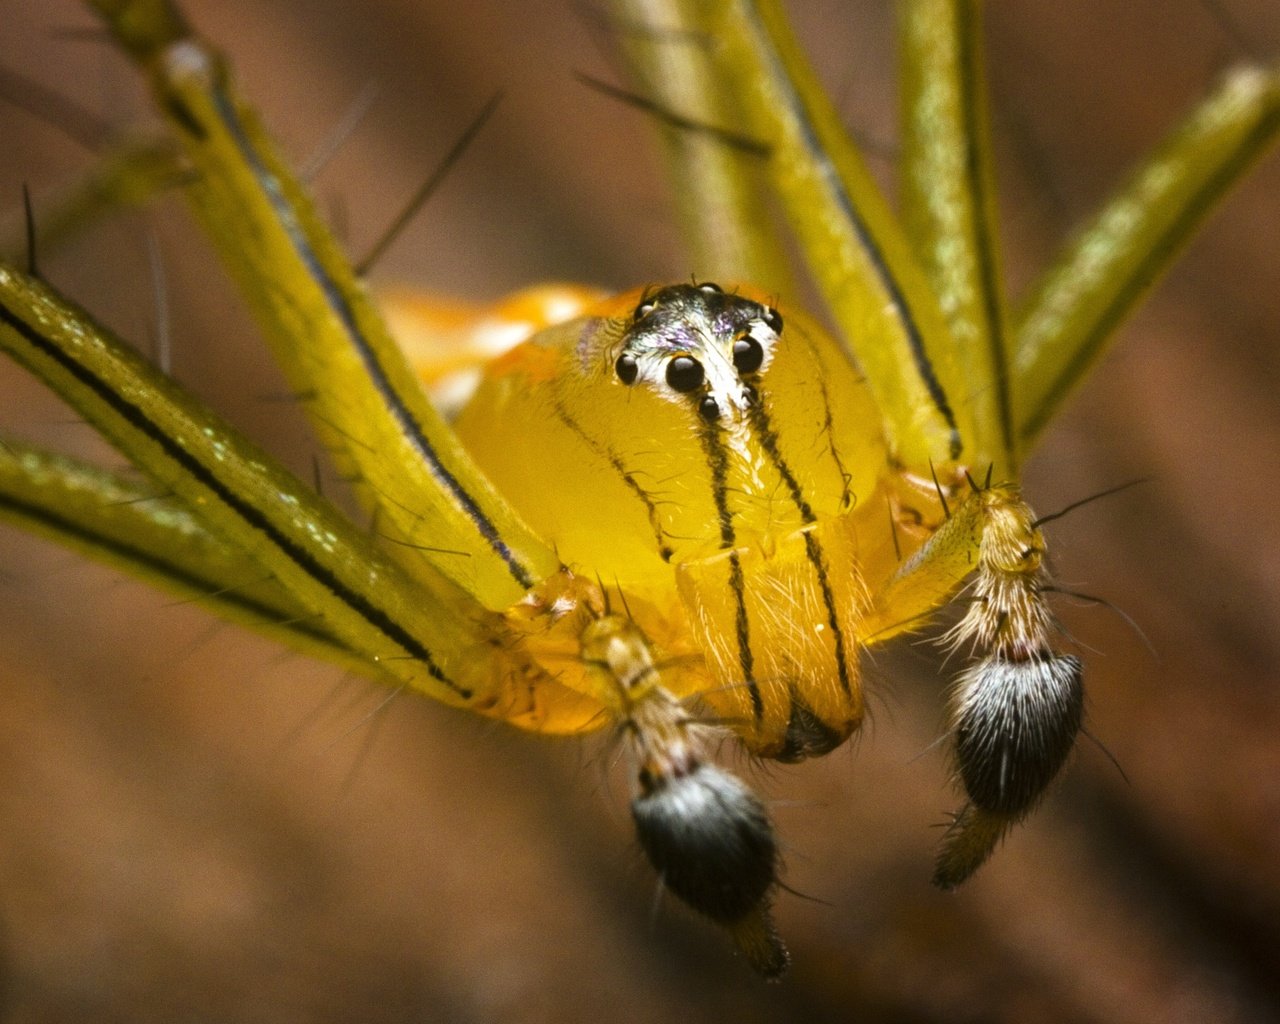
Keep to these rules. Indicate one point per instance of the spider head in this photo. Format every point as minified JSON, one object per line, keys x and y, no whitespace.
{"x":699,"y":345}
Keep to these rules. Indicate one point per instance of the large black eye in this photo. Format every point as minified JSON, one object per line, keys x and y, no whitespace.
{"x":684,"y":374}
{"x":773,"y":318}
{"x":626,"y":368}
{"x":646,"y":307}
{"x":711,"y":288}
{"x":748,"y":354}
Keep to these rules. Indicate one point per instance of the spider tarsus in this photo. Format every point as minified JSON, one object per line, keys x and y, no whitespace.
{"x":971,"y":838}
{"x":757,"y":939}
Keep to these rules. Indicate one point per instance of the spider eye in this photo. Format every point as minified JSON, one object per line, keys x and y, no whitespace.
{"x":646,"y":307}
{"x":773,"y":318}
{"x":709,"y":409}
{"x":710,"y":287}
{"x":626,"y":368}
{"x":685,"y":374}
{"x":748,"y":354}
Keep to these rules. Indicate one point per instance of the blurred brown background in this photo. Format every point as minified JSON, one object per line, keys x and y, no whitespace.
{"x":195,"y":826}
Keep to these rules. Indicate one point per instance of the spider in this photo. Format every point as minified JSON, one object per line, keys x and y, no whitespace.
{"x":774,"y":505}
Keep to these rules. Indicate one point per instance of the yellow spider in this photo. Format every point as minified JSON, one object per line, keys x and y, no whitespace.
{"x":706,"y":507}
